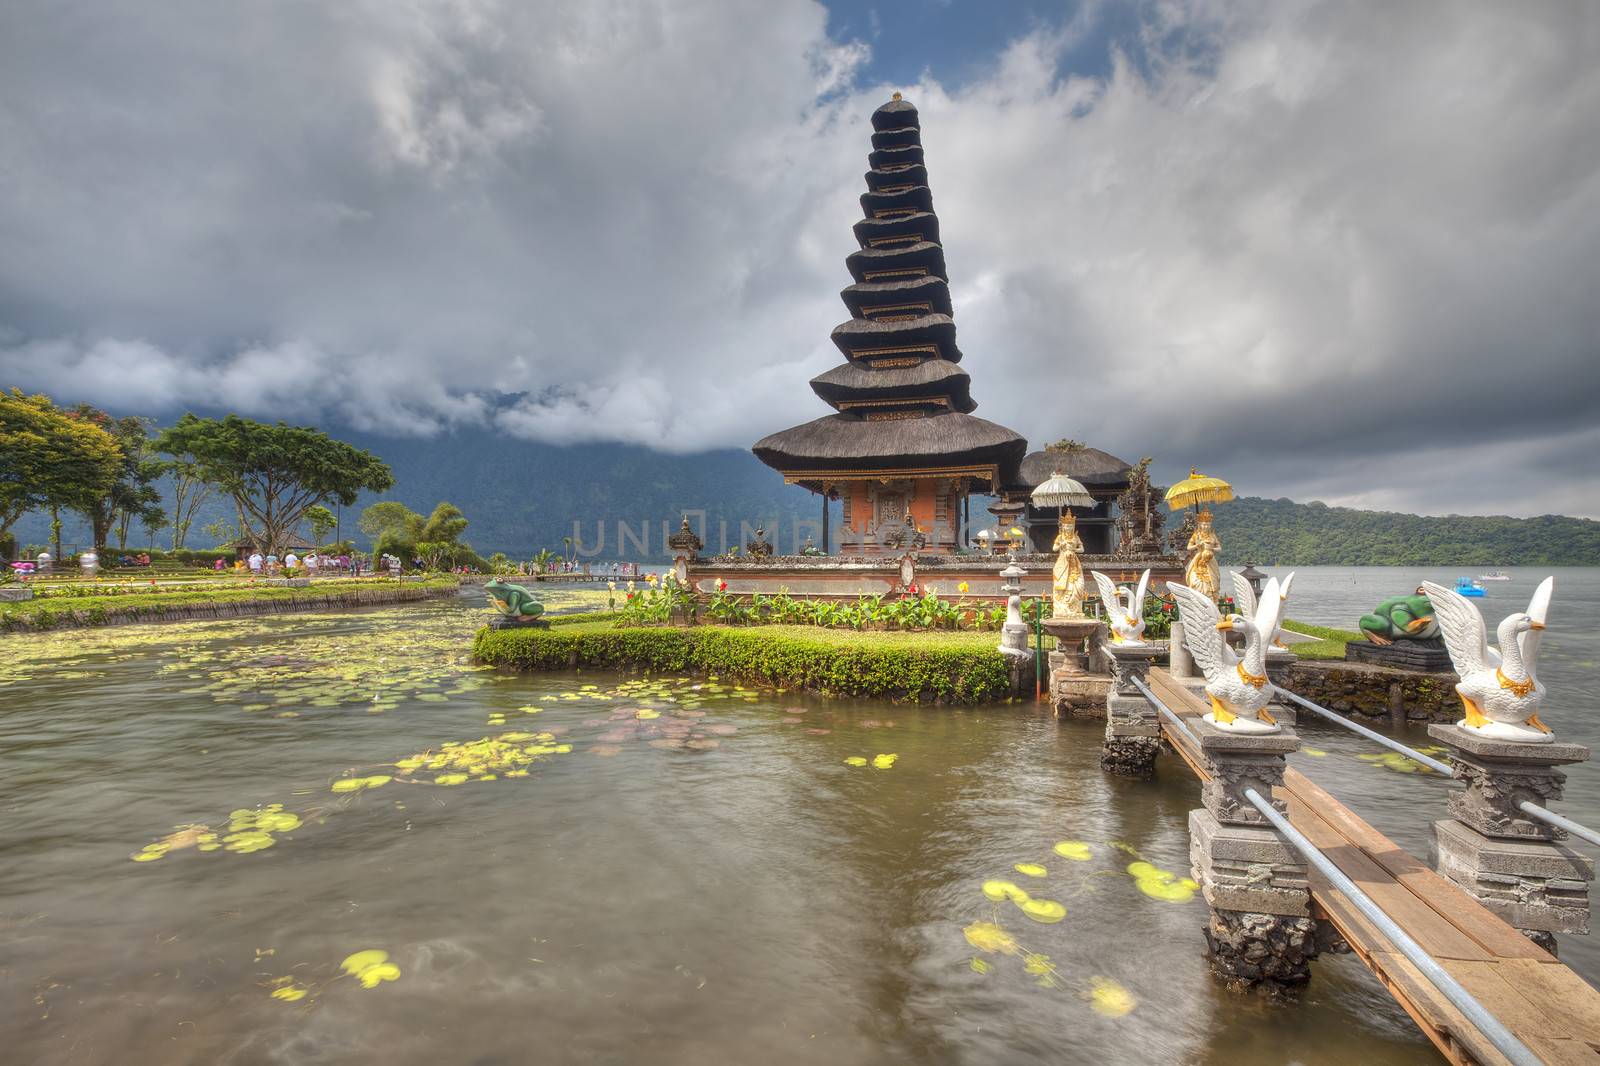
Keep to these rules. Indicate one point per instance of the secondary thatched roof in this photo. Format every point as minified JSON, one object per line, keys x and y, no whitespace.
{"x":904,"y":137}
{"x":916,"y":198}
{"x":924,"y":255}
{"x":931,"y":290}
{"x":1093,"y":467}
{"x":889,"y":156}
{"x":897,"y":114}
{"x":861,"y":335}
{"x":934,"y":377}
{"x":914,"y":174}
{"x":924,"y":226}
{"x":847,"y":442}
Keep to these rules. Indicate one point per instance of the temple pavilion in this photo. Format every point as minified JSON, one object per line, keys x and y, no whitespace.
{"x":904,"y":451}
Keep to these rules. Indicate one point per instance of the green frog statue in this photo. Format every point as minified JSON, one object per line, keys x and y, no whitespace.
{"x":1400,"y":618}
{"x":516,"y":604}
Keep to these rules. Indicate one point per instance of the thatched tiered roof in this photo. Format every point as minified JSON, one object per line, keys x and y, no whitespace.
{"x":1092,"y":467}
{"x":903,"y":402}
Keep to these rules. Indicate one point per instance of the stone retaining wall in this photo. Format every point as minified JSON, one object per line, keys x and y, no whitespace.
{"x":1379,"y":692}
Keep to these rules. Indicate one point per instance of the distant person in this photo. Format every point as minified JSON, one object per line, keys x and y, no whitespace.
{"x":218,"y":567}
{"x":272,"y":562}
{"x":256,"y":563}
{"x":291,"y":560}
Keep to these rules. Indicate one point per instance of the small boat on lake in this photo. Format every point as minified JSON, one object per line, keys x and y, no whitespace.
{"x":1465,"y":586}
{"x":1495,"y":575}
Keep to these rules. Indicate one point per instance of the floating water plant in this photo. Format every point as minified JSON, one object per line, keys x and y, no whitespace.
{"x":1047,"y":911}
{"x":1393,"y":760}
{"x":1075,"y":850}
{"x":1003,"y":890}
{"x":855,"y":760}
{"x":990,"y":938}
{"x":371,"y":967}
{"x":1030,"y":869}
{"x":1161,"y":884}
{"x":883,"y":762}
{"x":1109,"y":998}
{"x":358,"y":784}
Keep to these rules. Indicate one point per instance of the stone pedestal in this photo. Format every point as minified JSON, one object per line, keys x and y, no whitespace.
{"x":1429,"y":656}
{"x":1260,"y":933}
{"x":1075,"y":690}
{"x":1179,"y":662}
{"x":505,"y":621}
{"x":1517,"y":867}
{"x":1133,"y":726}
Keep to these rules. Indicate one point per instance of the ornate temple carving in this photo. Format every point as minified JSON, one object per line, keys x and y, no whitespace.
{"x":1139,"y":517}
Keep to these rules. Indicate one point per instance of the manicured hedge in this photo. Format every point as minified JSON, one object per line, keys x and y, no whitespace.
{"x":946,"y":667}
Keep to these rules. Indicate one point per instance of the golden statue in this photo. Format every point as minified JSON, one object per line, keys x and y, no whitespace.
{"x":1201,"y":573}
{"x":1066,"y":587}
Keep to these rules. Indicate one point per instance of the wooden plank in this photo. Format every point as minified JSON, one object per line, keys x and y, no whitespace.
{"x":1186,"y":751}
{"x":1178,"y":699}
{"x":1425,"y":925}
{"x":1445,"y":897}
{"x":1569,"y":997}
{"x":1541,"y":1030}
{"x":1449,"y":1030}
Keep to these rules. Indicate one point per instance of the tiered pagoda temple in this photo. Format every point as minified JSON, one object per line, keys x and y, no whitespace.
{"x":904,"y":450}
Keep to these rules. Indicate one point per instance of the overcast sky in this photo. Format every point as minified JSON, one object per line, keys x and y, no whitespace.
{"x":1338,"y":251}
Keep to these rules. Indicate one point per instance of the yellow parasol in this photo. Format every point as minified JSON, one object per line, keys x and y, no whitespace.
{"x":1197,"y":489}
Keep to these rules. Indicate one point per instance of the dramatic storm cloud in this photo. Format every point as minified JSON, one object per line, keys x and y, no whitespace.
{"x":1332,"y":251}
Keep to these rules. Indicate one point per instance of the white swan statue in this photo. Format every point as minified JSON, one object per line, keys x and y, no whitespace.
{"x":1125,"y":619}
{"x":1237,"y":687}
{"x":1499,"y":687}
{"x":1268,"y":616}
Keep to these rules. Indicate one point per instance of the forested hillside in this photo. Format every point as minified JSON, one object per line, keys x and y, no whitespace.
{"x":520,"y":496}
{"x":1282,"y":532}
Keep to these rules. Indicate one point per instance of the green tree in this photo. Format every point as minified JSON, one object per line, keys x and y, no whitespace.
{"x":133,"y":495}
{"x":274,"y":474}
{"x":322,"y":521}
{"x":189,"y":491}
{"x":439,"y":542}
{"x":392,"y":517}
{"x":445,"y":524}
{"x":394,"y":528}
{"x":50,"y":457}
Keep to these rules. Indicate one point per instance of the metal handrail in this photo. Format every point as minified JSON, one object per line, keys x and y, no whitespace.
{"x":1155,"y":701}
{"x":1503,"y":1039}
{"x":1549,"y":817}
{"x":1371,"y":734}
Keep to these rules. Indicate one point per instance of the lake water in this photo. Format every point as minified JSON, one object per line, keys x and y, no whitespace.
{"x":706,"y":881}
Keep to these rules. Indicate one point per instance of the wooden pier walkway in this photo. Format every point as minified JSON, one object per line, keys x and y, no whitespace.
{"x":1545,"y":1004}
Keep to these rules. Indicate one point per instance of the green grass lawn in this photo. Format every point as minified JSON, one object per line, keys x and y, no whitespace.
{"x":1329,"y":644}
{"x":56,"y":611}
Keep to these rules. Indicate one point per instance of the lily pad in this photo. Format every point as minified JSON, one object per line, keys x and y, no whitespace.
{"x":1047,"y":911}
